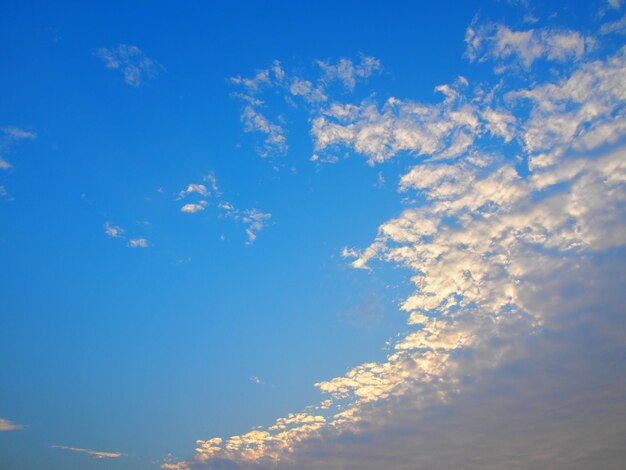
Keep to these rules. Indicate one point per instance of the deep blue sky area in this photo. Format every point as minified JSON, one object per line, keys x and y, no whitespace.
{"x":144,"y":350}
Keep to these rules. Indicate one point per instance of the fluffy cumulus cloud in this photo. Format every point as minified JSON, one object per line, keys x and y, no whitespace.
{"x":92,"y":453}
{"x":515,"y":242}
{"x":131,"y":61}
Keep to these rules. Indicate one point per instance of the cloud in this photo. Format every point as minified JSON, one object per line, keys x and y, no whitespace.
{"x":93,"y":453}
{"x":616,"y":4}
{"x":193,"y":188}
{"x":134,"y":64}
{"x":255,"y":114}
{"x":346,"y":72}
{"x":138,"y":243}
{"x":192,"y":208}
{"x":7,"y":425}
{"x":16,"y":133}
{"x":499,"y":43}
{"x":275,"y":141}
{"x":256,"y":380}
{"x":617,"y":26}
{"x":515,"y":306}
{"x":113,"y":231}
{"x":253,"y":219}
{"x":9,"y":137}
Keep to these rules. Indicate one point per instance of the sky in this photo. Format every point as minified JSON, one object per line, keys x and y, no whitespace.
{"x":322,"y":235}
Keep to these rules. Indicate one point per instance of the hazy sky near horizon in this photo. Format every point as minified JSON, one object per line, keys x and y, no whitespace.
{"x":329,"y":235}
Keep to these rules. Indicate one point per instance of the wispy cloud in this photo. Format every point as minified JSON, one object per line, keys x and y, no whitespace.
{"x":311,"y":91}
{"x":16,"y":133}
{"x":256,"y":380}
{"x":7,"y":425}
{"x":131,"y":61}
{"x":506,"y":47}
{"x":9,"y":137}
{"x":113,"y":231}
{"x":93,"y":453}
{"x":138,"y":243}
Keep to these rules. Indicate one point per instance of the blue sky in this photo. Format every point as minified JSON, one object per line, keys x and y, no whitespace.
{"x":254,"y":235}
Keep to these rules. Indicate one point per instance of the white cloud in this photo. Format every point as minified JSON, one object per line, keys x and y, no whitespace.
{"x":10,"y":136}
{"x":347,"y":72}
{"x":93,"y":453}
{"x":256,"y":115}
{"x":131,"y":61}
{"x":253,"y":219}
{"x":138,"y":243}
{"x":497,"y":258}
{"x":275,"y":141}
{"x":7,"y":425}
{"x":16,"y":133}
{"x":192,"y":208}
{"x":256,"y":380}
{"x":617,"y":26}
{"x":113,"y":231}
{"x":499,"y":43}
{"x":193,"y":188}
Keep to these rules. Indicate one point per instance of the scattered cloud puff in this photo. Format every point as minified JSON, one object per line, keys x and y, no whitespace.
{"x":133,"y":63}
{"x":493,"y":252}
{"x":506,"y":47}
{"x":93,"y":453}
{"x":312,"y":94}
{"x":192,"y":208}
{"x":138,"y":243}
{"x":253,"y":219}
{"x":113,"y":231}
{"x":7,"y":425}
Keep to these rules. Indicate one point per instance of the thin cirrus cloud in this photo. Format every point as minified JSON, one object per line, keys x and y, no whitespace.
{"x":515,"y":273}
{"x":92,"y":453}
{"x":8,"y":425}
{"x":131,"y":61}
{"x":9,"y":137}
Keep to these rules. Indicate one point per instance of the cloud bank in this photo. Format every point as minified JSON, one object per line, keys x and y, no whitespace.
{"x":514,"y":238}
